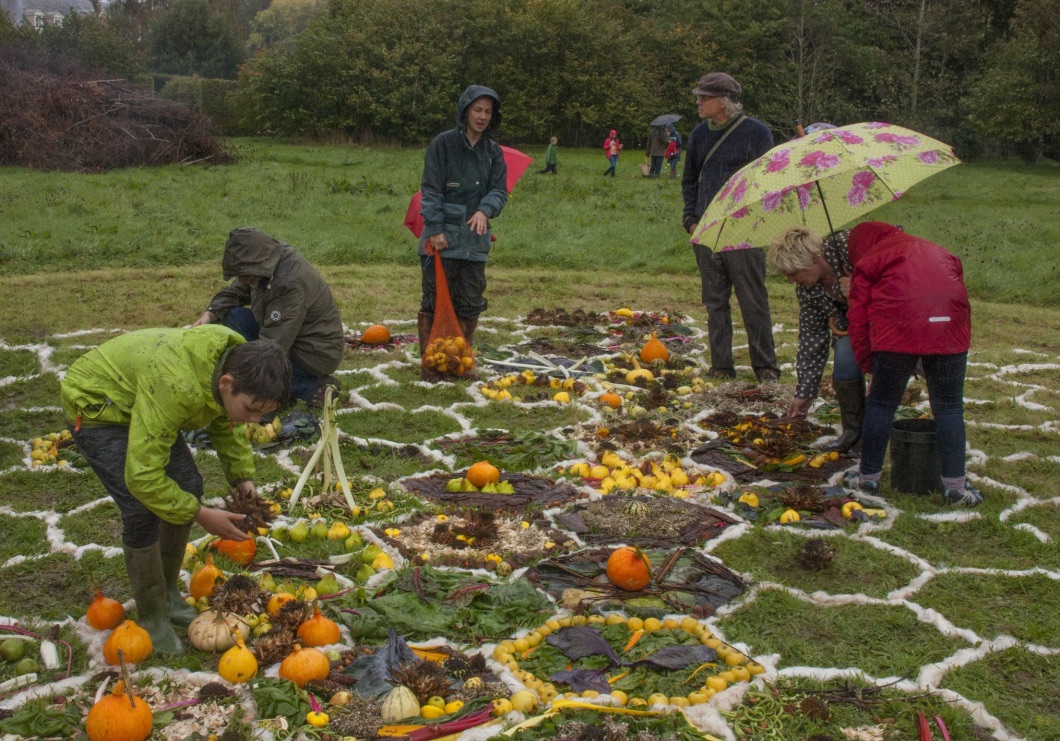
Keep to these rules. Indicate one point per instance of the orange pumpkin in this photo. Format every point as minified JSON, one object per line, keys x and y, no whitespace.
{"x":104,"y":613}
{"x":628,"y":568}
{"x":241,"y":552}
{"x":277,"y":601}
{"x":318,"y":630}
{"x":305,"y":665}
{"x":119,"y":717}
{"x":611,"y":399}
{"x":377,"y":334}
{"x":205,"y":580}
{"x":133,"y":641}
{"x":483,"y":473}
{"x":654,"y":350}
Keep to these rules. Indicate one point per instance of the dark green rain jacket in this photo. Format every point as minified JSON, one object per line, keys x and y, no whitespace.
{"x":158,"y":382}
{"x":459,"y":180}
{"x":293,"y":305}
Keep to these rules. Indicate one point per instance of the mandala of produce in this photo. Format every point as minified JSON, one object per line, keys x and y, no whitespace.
{"x":657,"y":521}
{"x":610,"y":472}
{"x":801,"y":504}
{"x":476,"y":538}
{"x":682,"y":580}
{"x":527,"y":491}
{"x":641,"y":434}
{"x":648,"y":661}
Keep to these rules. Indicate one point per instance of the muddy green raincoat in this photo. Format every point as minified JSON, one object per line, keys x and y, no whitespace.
{"x":159,"y":382}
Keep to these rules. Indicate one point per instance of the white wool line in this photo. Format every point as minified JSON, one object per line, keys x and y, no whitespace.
{"x":1021,"y":351}
{"x":1024,"y":401}
{"x":914,"y":586}
{"x":1027,"y":368}
{"x":89,"y":506}
{"x":979,"y":714}
{"x":987,"y":481}
{"x":84,"y":332}
{"x":1011,"y":573}
{"x":943,"y":625}
{"x":829,"y":674}
{"x":1041,"y":536}
{"x":1025,"y":503}
{"x":1024,"y":455}
{"x":9,"y":380}
{"x":900,"y":552}
{"x":954,"y":516}
{"x":977,"y":402}
{"x":999,"y":426}
{"x":976,"y":457}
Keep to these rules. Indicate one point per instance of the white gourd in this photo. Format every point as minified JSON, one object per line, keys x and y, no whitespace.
{"x":400,"y":703}
{"x":212,"y":630}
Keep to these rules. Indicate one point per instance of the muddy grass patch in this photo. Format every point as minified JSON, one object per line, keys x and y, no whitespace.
{"x":58,"y":586}
{"x":100,"y":524}
{"x":375,"y":459}
{"x":1045,"y":517}
{"x":41,"y":391}
{"x":644,"y":521}
{"x":18,"y":363}
{"x":10,"y":455}
{"x":411,"y":396}
{"x":267,"y":470}
{"x":23,"y":536}
{"x":882,"y":641}
{"x":517,"y":420}
{"x":20,"y":425}
{"x":400,"y":427}
{"x":54,"y":489}
{"x":774,"y":556}
{"x":64,"y":356}
{"x":524,"y":452}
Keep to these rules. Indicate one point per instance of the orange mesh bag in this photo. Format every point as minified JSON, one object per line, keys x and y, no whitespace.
{"x":448,"y":351}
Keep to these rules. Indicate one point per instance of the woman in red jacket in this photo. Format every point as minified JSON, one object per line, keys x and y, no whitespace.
{"x":908,"y":303}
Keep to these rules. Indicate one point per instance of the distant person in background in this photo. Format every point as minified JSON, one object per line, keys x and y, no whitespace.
{"x":551,"y":158}
{"x":289,"y":303}
{"x":822,"y":270}
{"x":672,"y":155}
{"x":908,"y":303}
{"x":612,"y":146}
{"x":724,"y":142}
{"x":464,"y":185}
{"x":657,"y":140}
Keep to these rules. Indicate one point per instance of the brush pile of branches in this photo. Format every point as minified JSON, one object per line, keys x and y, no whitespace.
{"x":58,"y":115}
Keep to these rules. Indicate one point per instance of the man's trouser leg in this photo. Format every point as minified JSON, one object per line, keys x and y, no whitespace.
{"x":747,"y":271}
{"x":149,"y":590}
{"x":172,"y":542}
{"x":716,"y":289}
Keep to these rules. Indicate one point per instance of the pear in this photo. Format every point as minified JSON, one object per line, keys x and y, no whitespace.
{"x":369,"y":553}
{"x":328,"y":585}
{"x":365,"y":573}
{"x":467,"y":487}
{"x":338,"y":531}
{"x":319,"y":529}
{"x":354,"y":541}
{"x":505,"y":487}
{"x":266,"y":581}
{"x":453,"y":485}
{"x":299,"y":532}
{"x":279,"y":532}
{"x":490,"y":488}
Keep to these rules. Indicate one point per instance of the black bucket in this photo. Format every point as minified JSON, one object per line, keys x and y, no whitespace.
{"x":914,"y":458}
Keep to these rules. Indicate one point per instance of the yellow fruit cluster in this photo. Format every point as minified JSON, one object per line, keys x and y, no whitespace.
{"x":260,"y":434}
{"x":449,"y":355}
{"x":45,"y":450}
{"x":732,"y":666}
{"x":667,"y":477}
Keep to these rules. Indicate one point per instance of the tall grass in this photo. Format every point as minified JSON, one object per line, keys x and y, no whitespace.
{"x":344,"y":205}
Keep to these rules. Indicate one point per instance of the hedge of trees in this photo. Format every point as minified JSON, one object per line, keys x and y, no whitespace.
{"x":981,"y":74}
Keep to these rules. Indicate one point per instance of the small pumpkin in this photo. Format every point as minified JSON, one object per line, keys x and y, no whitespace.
{"x":305,"y":665}
{"x":238,"y":663}
{"x":483,"y":473}
{"x":654,"y":350}
{"x":628,"y":568}
{"x":205,"y":580}
{"x":277,"y":601}
{"x":212,"y":630}
{"x":133,"y":641}
{"x":104,"y":613}
{"x":400,"y":703}
{"x":637,"y":509}
{"x":318,"y":630}
{"x":119,"y":717}
{"x":241,"y":552}
{"x":611,"y":399}
{"x":377,"y":334}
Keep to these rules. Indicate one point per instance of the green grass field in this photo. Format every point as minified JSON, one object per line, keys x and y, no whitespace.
{"x":957,"y":607}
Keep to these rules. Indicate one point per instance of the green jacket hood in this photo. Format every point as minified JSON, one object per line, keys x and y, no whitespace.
{"x":469,"y":96}
{"x":250,"y":251}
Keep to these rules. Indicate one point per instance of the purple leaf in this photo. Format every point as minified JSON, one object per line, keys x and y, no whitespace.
{"x":581,"y":640}
{"x":583,"y":679}
{"x":677,"y":657}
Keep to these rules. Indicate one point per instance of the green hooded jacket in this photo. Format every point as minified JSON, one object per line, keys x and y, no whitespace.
{"x":158,"y":382}
{"x":293,"y":305}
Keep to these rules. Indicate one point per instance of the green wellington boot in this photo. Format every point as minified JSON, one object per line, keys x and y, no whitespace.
{"x":172,"y":541}
{"x":149,"y":590}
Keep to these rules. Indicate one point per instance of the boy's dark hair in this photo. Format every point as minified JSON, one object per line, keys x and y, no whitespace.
{"x":261,"y":370}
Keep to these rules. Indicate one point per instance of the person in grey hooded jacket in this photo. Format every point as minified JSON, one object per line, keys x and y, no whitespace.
{"x":464,"y":185}
{"x":289,"y":303}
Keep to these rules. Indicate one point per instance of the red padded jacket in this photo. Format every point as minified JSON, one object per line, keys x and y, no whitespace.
{"x":907,"y":295}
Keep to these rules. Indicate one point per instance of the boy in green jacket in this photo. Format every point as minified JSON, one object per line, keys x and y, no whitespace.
{"x":127,"y":402}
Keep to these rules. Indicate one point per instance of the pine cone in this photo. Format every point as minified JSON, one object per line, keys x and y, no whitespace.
{"x":804,"y":497}
{"x":240,"y":594}
{"x":425,"y":678}
{"x":816,"y":554}
{"x":273,"y":647}
{"x":258,"y":512}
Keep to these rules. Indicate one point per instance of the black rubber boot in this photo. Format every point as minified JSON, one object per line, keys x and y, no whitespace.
{"x":851,"y":398}
{"x":149,"y":590}
{"x":172,"y":541}
{"x":467,"y":327}
{"x":424,"y":320}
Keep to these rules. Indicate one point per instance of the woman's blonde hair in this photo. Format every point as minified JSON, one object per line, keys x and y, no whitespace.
{"x":793,"y":250}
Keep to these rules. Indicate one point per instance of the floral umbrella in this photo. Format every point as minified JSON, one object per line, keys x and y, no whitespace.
{"x":823,"y":181}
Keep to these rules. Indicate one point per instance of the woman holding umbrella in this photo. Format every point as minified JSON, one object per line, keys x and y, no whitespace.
{"x":822,"y":269}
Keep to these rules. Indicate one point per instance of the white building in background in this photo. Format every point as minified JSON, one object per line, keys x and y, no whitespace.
{"x":40,"y":13}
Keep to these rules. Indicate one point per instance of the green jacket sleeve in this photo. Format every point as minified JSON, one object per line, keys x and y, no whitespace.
{"x":153,"y":428}
{"x":233,"y":450}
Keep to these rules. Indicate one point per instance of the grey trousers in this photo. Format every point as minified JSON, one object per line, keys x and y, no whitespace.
{"x":105,"y":448}
{"x":745,"y":272}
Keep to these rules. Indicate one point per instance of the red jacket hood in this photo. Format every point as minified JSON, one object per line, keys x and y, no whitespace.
{"x":866,"y":237}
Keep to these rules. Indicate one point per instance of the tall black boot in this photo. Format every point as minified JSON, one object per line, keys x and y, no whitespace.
{"x":851,"y":398}
{"x":172,"y":542}
{"x":149,"y":590}
{"x":424,"y":320}
{"x":467,"y":327}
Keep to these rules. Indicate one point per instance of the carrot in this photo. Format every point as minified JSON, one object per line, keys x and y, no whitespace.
{"x":633,"y":640}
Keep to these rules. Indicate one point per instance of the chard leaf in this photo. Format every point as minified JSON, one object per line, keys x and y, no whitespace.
{"x":677,"y":657}
{"x":582,"y":640}
{"x":583,"y":679}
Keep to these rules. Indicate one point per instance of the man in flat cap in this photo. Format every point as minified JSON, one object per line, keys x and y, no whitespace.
{"x":724,"y":142}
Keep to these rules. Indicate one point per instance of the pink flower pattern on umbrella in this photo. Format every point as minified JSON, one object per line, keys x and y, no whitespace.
{"x":847,"y":137}
{"x":725,"y":191}
{"x":820,"y":160}
{"x":778,"y":161}
{"x":739,"y":191}
{"x":771,"y":200}
{"x":739,"y":214}
{"x":804,"y":195}
{"x":877,"y":125}
{"x":880,"y":161}
{"x":929,"y":158}
{"x":888,"y":138}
